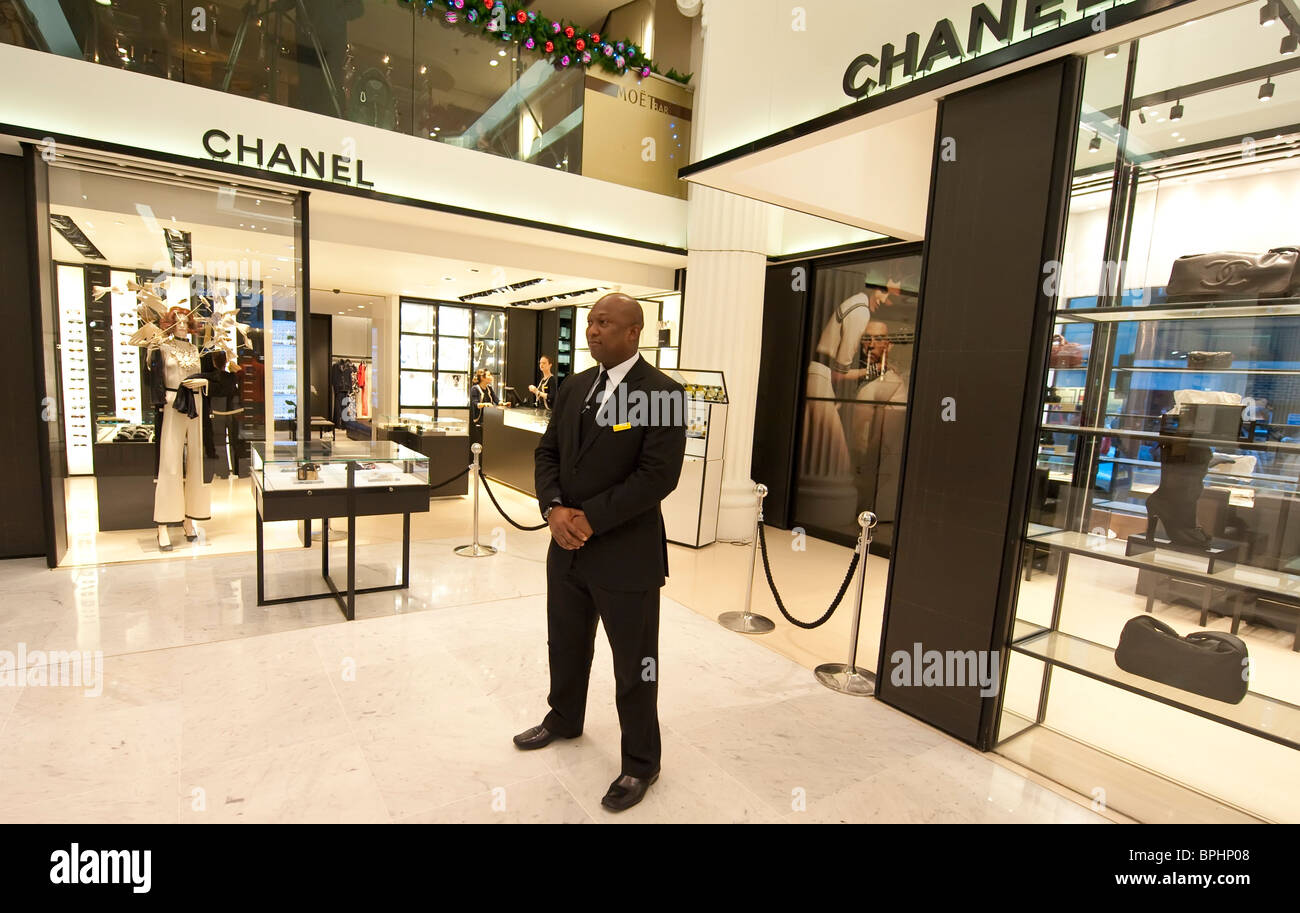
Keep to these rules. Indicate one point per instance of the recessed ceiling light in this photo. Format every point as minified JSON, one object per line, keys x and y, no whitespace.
{"x":1176,"y":133}
{"x":501,"y":53}
{"x":493,"y":63}
{"x":448,"y":279}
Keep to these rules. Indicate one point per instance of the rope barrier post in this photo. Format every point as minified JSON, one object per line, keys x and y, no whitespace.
{"x":747,"y":622}
{"x":846,"y":678}
{"x":474,"y":549}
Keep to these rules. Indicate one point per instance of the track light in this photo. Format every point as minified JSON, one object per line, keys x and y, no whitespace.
{"x":1142,"y":117}
{"x":1266,"y":91}
{"x":1111,"y":53}
{"x":1176,"y":112}
{"x":1289,"y":43}
{"x":1268,"y":14}
{"x":1094,"y":145}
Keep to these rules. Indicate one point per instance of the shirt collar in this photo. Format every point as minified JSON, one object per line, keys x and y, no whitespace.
{"x":620,"y":371}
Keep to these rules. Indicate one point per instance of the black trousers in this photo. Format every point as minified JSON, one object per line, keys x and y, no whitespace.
{"x":631,"y":621}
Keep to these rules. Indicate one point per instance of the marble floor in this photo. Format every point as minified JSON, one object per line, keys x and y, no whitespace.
{"x":215,"y":710}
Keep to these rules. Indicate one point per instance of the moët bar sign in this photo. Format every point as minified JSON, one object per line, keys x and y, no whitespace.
{"x":990,"y":26}
{"x":307,"y":163}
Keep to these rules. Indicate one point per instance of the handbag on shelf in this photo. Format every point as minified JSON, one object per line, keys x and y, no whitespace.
{"x":1209,"y":361}
{"x":1065,"y":354}
{"x":1208,"y":663}
{"x":1275,"y":274}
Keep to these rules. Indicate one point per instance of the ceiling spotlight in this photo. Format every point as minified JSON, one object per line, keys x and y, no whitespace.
{"x":1111,"y":53}
{"x":493,"y":63}
{"x":1289,"y":43}
{"x":1094,"y":145}
{"x":1268,"y":13}
{"x":1176,"y":112}
{"x":1142,"y":116}
{"x":1266,"y":91}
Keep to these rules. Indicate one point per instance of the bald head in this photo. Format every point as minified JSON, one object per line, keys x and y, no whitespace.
{"x":614,"y":329}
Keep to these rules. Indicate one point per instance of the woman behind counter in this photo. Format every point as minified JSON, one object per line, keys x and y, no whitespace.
{"x":481,"y":395}
{"x":544,"y":390}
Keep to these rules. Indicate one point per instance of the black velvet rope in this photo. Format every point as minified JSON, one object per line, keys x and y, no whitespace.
{"x":449,"y":481}
{"x":806,"y":625}
{"x":493,"y":499}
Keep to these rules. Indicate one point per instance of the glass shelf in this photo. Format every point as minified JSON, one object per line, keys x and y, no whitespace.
{"x":1198,"y":310}
{"x":1134,"y":369}
{"x":1263,"y":716}
{"x":1223,"y":444}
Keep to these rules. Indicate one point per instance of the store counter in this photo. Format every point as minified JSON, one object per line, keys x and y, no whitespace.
{"x":444,"y":441}
{"x":510,"y":436}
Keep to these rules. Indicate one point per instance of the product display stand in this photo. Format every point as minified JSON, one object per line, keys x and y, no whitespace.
{"x":474,"y":549}
{"x":747,"y":622}
{"x":847,"y":678}
{"x":277,"y":502}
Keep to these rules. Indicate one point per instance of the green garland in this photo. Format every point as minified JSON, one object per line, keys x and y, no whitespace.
{"x":564,"y":44}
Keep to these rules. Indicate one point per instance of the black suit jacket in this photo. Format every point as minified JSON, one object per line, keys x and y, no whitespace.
{"x":617,"y":478}
{"x":476,"y":396}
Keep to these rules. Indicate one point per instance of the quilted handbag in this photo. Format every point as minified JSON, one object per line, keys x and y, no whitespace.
{"x":1207,"y":663}
{"x":1275,"y":274}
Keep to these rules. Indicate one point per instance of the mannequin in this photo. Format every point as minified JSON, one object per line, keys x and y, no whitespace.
{"x":181,"y":495}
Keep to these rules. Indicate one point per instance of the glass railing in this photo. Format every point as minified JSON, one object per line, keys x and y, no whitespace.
{"x":384,"y":63}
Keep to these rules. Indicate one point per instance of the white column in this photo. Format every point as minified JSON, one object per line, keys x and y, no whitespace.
{"x":722,"y":326}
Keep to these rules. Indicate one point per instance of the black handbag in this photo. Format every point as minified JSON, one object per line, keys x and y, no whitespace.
{"x":1207,"y":663}
{"x":1275,"y":274}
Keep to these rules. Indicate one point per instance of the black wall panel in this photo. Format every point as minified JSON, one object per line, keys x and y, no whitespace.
{"x":996,"y":215}
{"x":522,"y":350}
{"x":22,"y":524}
{"x":780,"y":387}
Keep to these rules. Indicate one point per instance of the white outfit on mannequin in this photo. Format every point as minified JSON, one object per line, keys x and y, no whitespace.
{"x":181,"y":492}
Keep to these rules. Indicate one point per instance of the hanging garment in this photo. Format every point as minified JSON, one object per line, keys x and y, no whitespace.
{"x":363,"y":392}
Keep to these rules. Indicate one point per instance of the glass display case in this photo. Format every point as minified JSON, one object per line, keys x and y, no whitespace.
{"x":304,"y":466}
{"x":114,"y":430}
{"x":1166,"y":490}
{"x":691,"y":511}
{"x":417,"y":424}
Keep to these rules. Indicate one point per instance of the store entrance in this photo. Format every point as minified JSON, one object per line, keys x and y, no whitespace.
{"x":170,"y":291}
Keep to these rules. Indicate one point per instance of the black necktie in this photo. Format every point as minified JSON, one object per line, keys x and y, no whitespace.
{"x":593,"y":403}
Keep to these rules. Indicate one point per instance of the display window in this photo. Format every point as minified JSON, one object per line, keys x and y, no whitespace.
{"x":1158,"y":613}
{"x":441,"y":347}
{"x":862,"y":336}
{"x":176,"y":310}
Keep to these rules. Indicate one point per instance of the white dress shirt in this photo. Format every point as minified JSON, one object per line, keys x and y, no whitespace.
{"x":616,"y":375}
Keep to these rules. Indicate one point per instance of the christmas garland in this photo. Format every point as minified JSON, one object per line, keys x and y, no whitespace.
{"x":564,"y":44}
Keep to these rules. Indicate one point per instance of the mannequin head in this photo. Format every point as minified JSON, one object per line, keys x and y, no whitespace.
{"x":177,"y":322}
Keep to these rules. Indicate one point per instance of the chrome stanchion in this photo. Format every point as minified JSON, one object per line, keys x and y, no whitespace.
{"x":474,"y":549}
{"x":847,"y":678}
{"x":747,"y":622}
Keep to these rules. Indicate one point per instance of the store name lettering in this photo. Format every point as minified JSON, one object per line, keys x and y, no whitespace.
{"x":1001,"y":20}
{"x":338,"y":169}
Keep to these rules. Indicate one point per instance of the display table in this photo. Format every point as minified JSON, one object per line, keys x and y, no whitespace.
{"x":444,"y":441}
{"x":317,"y":480}
{"x":510,"y":438}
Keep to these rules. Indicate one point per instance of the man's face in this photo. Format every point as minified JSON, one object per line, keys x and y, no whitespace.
{"x":875,"y":342}
{"x":611,"y":336}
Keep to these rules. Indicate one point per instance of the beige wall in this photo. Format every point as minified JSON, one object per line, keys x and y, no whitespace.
{"x":636,"y":132}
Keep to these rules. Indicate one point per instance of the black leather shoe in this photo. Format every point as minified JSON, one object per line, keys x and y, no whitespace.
{"x":626,"y":792}
{"x":537,"y":737}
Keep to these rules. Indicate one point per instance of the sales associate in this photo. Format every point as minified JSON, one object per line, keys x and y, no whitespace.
{"x":481,"y":396}
{"x":544,"y":390}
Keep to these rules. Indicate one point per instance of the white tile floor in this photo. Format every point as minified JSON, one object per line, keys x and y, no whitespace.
{"x":216,"y":710}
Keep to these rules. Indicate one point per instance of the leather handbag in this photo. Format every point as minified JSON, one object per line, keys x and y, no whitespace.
{"x":1207,"y":663}
{"x":1065,"y":354}
{"x":1275,"y":274}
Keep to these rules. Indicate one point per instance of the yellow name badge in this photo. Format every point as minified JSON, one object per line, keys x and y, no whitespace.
{"x":623,"y":427}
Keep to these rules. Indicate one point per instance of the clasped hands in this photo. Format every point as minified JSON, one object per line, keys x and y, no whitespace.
{"x":569,"y":527}
{"x":197,"y":384}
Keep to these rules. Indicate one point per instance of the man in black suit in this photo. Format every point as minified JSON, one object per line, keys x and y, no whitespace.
{"x":602,"y":470}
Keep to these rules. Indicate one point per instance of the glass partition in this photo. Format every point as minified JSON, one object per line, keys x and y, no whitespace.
{"x":433,"y":70}
{"x":1164,"y":502}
